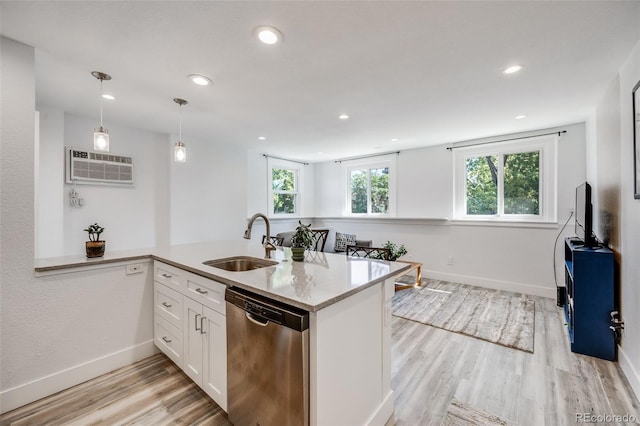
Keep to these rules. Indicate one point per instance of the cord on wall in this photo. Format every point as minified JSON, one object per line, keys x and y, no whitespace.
{"x":75,"y":200}
{"x":555,"y":246}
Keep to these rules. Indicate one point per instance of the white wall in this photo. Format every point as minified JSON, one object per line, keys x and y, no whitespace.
{"x":257,"y":197}
{"x":50,"y":190}
{"x":208,"y":193}
{"x":257,"y":191}
{"x":61,"y":330}
{"x":133,"y":216}
{"x":629,"y":354}
{"x":510,"y":257}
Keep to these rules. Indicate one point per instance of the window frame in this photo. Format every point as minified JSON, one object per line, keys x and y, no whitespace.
{"x":388,"y":161}
{"x":298,"y":174}
{"x":547,"y":145}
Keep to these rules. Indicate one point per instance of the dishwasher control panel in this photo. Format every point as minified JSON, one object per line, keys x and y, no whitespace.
{"x":268,"y":310}
{"x":263,"y":311}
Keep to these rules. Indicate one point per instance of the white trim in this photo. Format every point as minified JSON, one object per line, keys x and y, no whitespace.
{"x":548,"y":147}
{"x":298,"y":169}
{"x":388,"y":161}
{"x":383,"y":412}
{"x":533,"y":290}
{"x":43,"y":271}
{"x":504,"y":223}
{"x":48,"y":385}
{"x":630,"y":371}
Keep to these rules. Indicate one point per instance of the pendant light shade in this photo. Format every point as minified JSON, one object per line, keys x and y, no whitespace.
{"x":180,"y":154}
{"x":101,"y":135}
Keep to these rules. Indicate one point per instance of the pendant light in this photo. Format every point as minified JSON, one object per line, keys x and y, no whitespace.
{"x":180,"y":155}
{"x":101,"y":135}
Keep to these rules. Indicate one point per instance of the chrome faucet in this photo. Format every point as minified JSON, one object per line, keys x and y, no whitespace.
{"x":268,"y":247}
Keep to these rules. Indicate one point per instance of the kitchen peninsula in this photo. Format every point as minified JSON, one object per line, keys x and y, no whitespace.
{"x":349,"y":305}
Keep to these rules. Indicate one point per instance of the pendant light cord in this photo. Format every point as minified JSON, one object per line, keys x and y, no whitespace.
{"x":101,"y":80}
{"x":180,"y":125}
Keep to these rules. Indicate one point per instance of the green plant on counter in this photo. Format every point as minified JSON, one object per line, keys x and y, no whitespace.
{"x":303,"y":237}
{"x":395,"y":251}
{"x":94,"y":232}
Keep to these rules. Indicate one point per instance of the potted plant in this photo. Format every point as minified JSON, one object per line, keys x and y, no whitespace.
{"x":95,"y":246}
{"x":301,"y":241}
{"x":394,"y":251}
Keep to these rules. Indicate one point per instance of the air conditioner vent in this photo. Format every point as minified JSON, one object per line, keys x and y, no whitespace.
{"x":98,"y":168}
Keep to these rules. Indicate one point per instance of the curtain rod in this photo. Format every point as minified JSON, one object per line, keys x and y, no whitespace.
{"x":450,"y":148}
{"x":367,"y":156}
{"x":285,"y":159}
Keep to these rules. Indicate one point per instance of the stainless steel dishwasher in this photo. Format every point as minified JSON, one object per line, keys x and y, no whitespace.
{"x":267,"y":361}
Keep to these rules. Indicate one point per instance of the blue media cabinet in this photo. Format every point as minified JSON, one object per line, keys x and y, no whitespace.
{"x":589,"y":299}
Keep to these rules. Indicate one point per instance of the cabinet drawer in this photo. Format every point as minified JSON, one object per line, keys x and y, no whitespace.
{"x":208,"y":292}
{"x":169,"y":340}
{"x":168,"y":275}
{"x":168,"y":304}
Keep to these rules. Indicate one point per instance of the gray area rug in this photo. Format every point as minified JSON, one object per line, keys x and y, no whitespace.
{"x":500,"y":317}
{"x":460,"y":414}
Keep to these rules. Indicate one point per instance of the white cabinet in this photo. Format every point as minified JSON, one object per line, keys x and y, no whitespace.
{"x":214,"y":356}
{"x":191,"y":327}
{"x":168,"y":338}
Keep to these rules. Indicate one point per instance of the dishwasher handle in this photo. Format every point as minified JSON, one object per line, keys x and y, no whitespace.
{"x":256,"y":320}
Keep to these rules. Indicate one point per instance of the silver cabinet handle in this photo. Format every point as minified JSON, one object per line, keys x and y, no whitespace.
{"x":166,"y":275}
{"x":166,"y":305}
{"x":201,"y":291}
{"x":196,"y":324}
{"x":202,"y":325}
{"x":166,"y":340}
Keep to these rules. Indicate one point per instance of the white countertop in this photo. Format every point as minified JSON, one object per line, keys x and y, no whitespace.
{"x":321,"y":280}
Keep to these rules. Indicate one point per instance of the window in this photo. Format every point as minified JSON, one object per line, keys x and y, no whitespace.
{"x":507,"y":180}
{"x":370,"y":187}
{"x":284,"y":187}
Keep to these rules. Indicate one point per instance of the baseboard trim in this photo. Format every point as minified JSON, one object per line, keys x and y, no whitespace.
{"x":533,"y":290}
{"x":384,"y":411}
{"x":630,"y":371}
{"x":48,"y":385}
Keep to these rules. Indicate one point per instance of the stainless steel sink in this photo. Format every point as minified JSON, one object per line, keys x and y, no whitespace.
{"x":239,"y":263}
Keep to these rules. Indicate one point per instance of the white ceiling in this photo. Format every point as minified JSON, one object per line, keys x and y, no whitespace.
{"x":423,"y":72}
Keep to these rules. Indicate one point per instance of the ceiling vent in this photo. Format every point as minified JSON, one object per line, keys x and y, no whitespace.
{"x":87,"y":167}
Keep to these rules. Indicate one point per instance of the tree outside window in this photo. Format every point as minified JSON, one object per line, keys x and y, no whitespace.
{"x":370,"y":190}
{"x":519,"y":178}
{"x":507,"y":182}
{"x":284,"y":185}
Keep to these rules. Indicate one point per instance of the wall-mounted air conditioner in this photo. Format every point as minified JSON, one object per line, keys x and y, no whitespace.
{"x":90,"y":167}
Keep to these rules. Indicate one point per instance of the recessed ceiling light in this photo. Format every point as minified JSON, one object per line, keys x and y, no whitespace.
{"x":520,"y":117}
{"x":512,"y":69}
{"x":320,"y":152}
{"x":200,"y":80}
{"x":268,"y":35}
{"x":108,"y":96}
{"x":262,"y":138}
{"x":343,"y":117}
{"x":394,"y":140}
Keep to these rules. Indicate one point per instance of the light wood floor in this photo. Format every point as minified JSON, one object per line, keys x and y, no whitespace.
{"x":430,"y":367}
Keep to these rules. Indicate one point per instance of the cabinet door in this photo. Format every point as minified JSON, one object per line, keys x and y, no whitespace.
{"x":193,"y":340}
{"x":214,"y":371}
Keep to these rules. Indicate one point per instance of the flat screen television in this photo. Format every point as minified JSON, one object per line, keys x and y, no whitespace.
{"x":584,"y":216}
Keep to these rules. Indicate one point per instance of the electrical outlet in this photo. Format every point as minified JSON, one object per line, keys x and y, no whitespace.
{"x":449,"y":260}
{"x":134,"y":268}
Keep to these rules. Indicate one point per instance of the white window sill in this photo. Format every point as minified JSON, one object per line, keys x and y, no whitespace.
{"x":505,"y":223}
